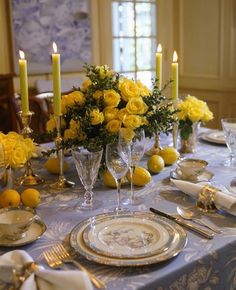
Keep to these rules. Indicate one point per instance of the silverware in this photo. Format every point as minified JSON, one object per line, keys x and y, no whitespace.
{"x":58,"y":255}
{"x":203,"y":232}
{"x":189,"y":215}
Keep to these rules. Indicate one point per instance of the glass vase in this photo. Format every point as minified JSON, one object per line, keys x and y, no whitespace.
{"x":190,"y":145}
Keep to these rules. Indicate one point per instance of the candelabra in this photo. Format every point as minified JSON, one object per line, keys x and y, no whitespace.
{"x":156,"y":147}
{"x":29,"y":177}
{"x":62,"y":181}
{"x":175,"y":127}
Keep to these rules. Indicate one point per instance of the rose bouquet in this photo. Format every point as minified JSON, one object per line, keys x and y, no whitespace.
{"x":192,"y":110}
{"x":18,"y":150}
{"x":93,"y":114}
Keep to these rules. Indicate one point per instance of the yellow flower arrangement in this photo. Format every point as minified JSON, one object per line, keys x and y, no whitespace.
{"x":17,"y":149}
{"x":191,"y":110}
{"x":94,"y":113}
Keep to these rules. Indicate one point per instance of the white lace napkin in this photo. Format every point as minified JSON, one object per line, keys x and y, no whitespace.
{"x":223,"y":198}
{"x":43,"y":279}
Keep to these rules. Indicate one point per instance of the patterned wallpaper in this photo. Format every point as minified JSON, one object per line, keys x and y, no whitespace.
{"x":37,"y":23}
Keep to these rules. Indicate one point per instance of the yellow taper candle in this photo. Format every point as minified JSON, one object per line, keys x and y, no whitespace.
{"x":23,"y":83}
{"x":159,"y":66}
{"x":56,"y":81}
{"x":175,"y":77}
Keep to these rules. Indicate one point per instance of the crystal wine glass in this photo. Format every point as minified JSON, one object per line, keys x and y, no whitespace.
{"x":137,"y":146}
{"x":229,"y":128}
{"x":2,"y":164}
{"x":118,"y":162}
{"x":87,"y":164}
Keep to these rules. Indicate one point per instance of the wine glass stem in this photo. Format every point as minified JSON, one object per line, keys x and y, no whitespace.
{"x":132,"y":168}
{"x":118,"y":208}
{"x":88,"y":198}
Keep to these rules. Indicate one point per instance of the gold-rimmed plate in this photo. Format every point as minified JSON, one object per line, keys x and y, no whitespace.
{"x":176,"y":246}
{"x":126,"y":236}
{"x":205,"y":176}
{"x":215,"y":136}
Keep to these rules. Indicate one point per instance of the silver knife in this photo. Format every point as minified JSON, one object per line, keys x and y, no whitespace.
{"x":203,"y":232}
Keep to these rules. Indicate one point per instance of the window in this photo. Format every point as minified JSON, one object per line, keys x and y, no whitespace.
{"x":134,"y":38}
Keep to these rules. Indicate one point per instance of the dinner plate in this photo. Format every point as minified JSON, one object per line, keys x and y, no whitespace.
{"x":205,"y":176}
{"x":128,"y":236}
{"x":215,"y":136}
{"x":176,"y":246}
{"x":35,"y":231}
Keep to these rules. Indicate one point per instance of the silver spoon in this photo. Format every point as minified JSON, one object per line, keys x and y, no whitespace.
{"x":189,"y":215}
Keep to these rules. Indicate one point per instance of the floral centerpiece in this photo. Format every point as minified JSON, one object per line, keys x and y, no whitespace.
{"x":191,"y":111}
{"x":93,"y":113}
{"x":17,"y":149}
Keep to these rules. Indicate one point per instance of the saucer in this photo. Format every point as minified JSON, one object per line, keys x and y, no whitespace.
{"x":205,"y":176}
{"x":34,"y":232}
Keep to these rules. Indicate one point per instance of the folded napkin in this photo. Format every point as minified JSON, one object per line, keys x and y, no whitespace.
{"x":43,"y":279}
{"x":223,"y":198}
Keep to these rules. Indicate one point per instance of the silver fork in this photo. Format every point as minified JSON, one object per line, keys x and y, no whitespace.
{"x":58,"y":255}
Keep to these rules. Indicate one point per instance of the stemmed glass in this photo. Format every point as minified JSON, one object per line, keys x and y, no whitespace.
{"x":2,"y":163}
{"x":87,"y":164}
{"x":118,"y":163}
{"x":137,"y":146}
{"x":229,"y":128}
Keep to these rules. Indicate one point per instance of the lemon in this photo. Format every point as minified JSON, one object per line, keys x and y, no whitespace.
{"x":9,"y":197}
{"x":155,"y":164}
{"x":109,"y":180}
{"x":140,"y":177}
{"x":169,"y":154}
{"x":30,"y":197}
{"x":52,"y":165}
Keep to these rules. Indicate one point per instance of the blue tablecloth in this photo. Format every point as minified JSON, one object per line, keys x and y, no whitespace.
{"x":203,"y":264}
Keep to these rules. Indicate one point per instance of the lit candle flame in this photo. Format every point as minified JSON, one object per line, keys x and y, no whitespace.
{"x":159,"y":48}
{"x":54,"y":46}
{"x":22,"y":54}
{"x":175,"y":56}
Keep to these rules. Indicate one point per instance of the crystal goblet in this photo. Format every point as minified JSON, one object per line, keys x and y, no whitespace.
{"x":229,"y":129}
{"x":118,"y":162}
{"x":87,"y":164}
{"x":137,"y":147}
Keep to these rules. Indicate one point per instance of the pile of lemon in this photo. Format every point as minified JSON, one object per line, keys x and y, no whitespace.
{"x":12,"y":198}
{"x":141,"y":176}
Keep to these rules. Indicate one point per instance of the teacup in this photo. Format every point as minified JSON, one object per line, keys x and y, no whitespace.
{"x":15,"y":221}
{"x":190,"y":168}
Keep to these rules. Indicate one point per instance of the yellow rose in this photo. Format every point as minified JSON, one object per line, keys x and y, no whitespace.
{"x":110,"y":113}
{"x":74,"y":125}
{"x":96,"y":116}
{"x":76,"y":97}
{"x":207,"y":116}
{"x":70,"y":134}
{"x":31,"y":148}
{"x":63,"y":104}
{"x":82,"y":136}
{"x":86,"y":84}
{"x":127,"y":134}
{"x":132,"y":121}
{"x":113,"y":126}
{"x":121,"y":114}
{"x":51,"y":124}
{"x":136,"y":106}
{"x":111,"y":98}
{"x":128,"y":89}
{"x":18,"y":157}
{"x":97,"y":94}
{"x":195,"y":114}
{"x":144,"y":91}
{"x":104,"y":71}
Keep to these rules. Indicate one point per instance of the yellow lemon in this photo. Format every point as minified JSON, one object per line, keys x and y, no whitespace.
{"x":155,"y":164}
{"x":169,"y":154}
{"x":109,"y":180}
{"x":52,"y":165}
{"x":9,"y":197}
{"x":140,"y":177}
{"x":30,"y":197}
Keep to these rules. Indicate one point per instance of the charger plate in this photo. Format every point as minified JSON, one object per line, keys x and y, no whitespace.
{"x":215,"y":136}
{"x":173,"y":241}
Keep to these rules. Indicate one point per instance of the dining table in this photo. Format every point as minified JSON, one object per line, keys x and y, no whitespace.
{"x":201,"y":264}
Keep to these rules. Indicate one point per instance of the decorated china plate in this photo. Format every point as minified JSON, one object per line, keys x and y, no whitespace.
{"x":205,"y":176}
{"x":173,"y":241}
{"x":35,"y":231}
{"x":214,"y":136}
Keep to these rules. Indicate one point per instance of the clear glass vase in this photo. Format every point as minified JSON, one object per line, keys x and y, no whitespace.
{"x":190,"y":145}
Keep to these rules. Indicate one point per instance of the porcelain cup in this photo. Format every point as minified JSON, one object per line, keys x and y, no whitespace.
{"x":15,"y":221}
{"x":190,"y":168}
